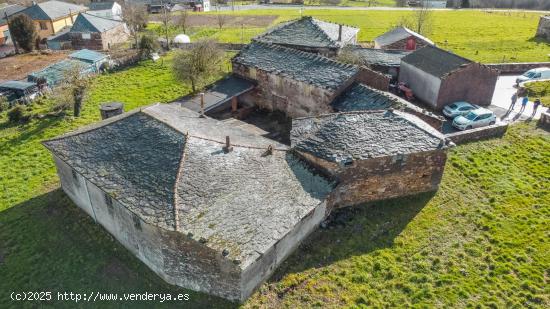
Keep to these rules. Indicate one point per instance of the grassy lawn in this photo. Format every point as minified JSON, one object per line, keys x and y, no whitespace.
{"x":539,"y":90}
{"x":482,"y":36}
{"x":482,"y":239}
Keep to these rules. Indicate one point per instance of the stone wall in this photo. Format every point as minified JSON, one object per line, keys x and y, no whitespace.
{"x":544,"y":121}
{"x":474,"y":83}
{"x":517,"y":68}
{"x":277,"y":92}
{"x":382,"y":178}
{"x":496,"y":130}
{"x":373,"y":79}
{"x":543,"y":29}
{"x":224,"y":46}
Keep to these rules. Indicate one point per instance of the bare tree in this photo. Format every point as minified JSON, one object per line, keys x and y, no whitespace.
{"x":136,"y":17}
{"x":421,"y":20}
{"x":74,"y":89}
{"x":182,"y":21}
{"x":220,"y":18}
{"x":197,"y":64}
{"x":165,"y":19}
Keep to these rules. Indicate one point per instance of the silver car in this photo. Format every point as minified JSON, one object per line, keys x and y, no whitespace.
{"x":458,"y":109}
{"x":477,"y":118}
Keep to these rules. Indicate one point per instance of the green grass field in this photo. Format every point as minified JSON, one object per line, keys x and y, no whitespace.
{"x":488,"y":37}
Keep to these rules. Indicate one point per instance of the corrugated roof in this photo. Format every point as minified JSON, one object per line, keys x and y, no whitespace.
{"x":298,"y":65}
{"x":91,"y":23}
{"x":52,"y":10}
{"x":397,"y":34}
{"x":435,"y":61}
{"x":309,"y":32}
{"x":166,"y":164}
{"x":88,"y":55}
{"x":344,"y":137}
{"x":14,"y":84}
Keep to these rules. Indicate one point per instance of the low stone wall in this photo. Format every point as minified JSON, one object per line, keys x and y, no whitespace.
{"x":496,"y":130}
{"x":544,"y":121}
{"x":224,"y":46}
{"x":373,"y":79}
{"x":123,"y":59}
{"x":516,"y":68}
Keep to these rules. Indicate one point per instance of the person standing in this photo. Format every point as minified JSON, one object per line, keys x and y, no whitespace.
{"x":524,"y":104}
{"x":514,"y":100}
{"x":536,"y":105}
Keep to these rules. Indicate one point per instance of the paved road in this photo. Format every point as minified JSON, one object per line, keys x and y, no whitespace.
{"x":504,"y":90}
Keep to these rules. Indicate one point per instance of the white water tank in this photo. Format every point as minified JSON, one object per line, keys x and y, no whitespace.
{"x":182,"y":39}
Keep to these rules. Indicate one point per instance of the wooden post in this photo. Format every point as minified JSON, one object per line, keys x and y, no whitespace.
{"x":234,"y":104}
{"x":228,"y":147}
{"x":202,"y":105}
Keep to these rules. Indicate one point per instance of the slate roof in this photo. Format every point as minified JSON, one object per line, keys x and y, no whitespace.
{"x":91,"y":23}
{"x":435,"y":61}
{"x":19,"y":85}
{"x":298,"y":65}
{"x":382,"y":57}
{"x":88,"y":55}
{"x":166,"y":164}
{"x":344,"y":137}
{"x":397,"y":34}
{"x":54,"y":73}
{"x":9,"y":10}
{"x":359,"y":97}
{"x":52,"y":10}
{"x":309,"y":32}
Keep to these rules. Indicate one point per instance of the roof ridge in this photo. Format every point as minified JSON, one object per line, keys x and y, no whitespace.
{"x":176,"y":182}
{"x":98,"y":16}
{"x":235,"y":145}
{"x":319,"y":29}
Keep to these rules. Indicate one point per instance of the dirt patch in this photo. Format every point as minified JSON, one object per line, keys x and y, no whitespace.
{"x":19,"y":66}
{"x":230,"y":20}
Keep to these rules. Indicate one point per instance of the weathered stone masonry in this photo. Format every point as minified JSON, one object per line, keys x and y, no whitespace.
{"x":543,"y":29}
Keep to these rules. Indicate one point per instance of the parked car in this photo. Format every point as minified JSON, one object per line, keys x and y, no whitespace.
{"x":534,"y":74}
{"x":476,"y":118}
{"x":458,"y":109}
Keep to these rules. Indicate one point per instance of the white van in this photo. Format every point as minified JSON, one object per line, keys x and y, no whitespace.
{"x":534,"y":74}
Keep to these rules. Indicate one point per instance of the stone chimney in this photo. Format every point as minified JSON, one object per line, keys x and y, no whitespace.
{"x":202,"y":104}
{"x":111,"y":109}
{"x":227,"y":148}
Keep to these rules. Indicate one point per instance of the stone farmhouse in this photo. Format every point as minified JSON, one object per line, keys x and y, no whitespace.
{"x":294,"y":82}
{"x":438,"y":77}
{"x":51,"y":17}
{"x":543,"y":29}
{"x":211,"y":203}
{"x":311,"y":35}
{"x":401,"y":38}
{"x":97,"y":32}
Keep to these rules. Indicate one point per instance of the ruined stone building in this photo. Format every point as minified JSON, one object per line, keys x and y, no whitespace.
{"x":292,"y":81}
{"x":97,"y":32}
{"x":311,"y":35}
{"x":401,"y":38}
{"x":201,"y":215}
{"x":386,"y":61}
{"x":438,"y":77}
{"x":543,"y":29}
{"x":372,"y":155}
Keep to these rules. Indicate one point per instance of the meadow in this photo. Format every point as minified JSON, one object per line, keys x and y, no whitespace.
{"x":484,"y":36}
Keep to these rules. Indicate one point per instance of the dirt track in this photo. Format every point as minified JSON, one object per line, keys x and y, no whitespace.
{"x":19,"y":66}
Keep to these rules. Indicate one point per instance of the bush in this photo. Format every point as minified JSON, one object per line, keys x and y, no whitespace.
{"x":23,"y":31}
{"x":17,"y":114}
{"x":4,"y":104}
{"x":148,"y":45}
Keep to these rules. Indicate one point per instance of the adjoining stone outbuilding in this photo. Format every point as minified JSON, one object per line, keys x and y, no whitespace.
{"x":97,"y":32}
{"x":543,"y":30}
{"x":311,"y":35}
{"x":401,"y":38}
{"x":294,"y":82}
{"x":385,"y":61}
{"x":372,"y":155}
{"x":202,"y":214}
{"x":438,"y":77}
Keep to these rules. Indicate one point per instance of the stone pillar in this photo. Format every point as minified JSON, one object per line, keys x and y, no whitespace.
{"x":111,"y":109}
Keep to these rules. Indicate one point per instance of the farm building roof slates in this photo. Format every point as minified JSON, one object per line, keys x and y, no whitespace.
{"x":373,"y":56}
{"x":243,"y":201}
{"x":52,"y":10}
{"x":100,"y":6}
{"x":88,"y":55}
{"x":360,"y":97}
{"x":309,"y":32}
{"x":435,"y":61}
{"x":91,"y":23}
{"x":362,"y":135}
{"x":54,"y":73}
{"x":307,"y":67}
{"x":397,"y":34}
{"x":14,"y":84}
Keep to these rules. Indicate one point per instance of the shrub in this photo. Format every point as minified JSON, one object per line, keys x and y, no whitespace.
{"x":148,"y":45}
{"x":17,"y":114}
{"x":23,"y":31}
